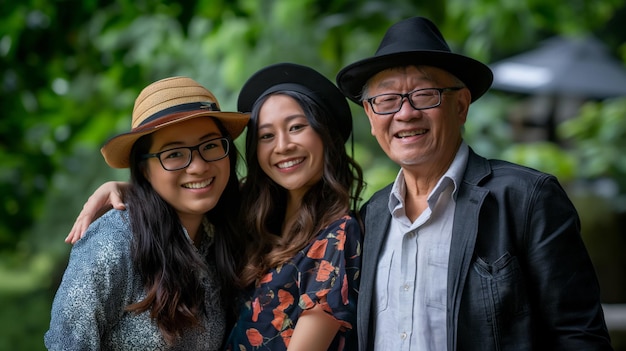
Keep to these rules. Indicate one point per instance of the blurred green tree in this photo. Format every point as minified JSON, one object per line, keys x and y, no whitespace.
{"x":70,"y":71}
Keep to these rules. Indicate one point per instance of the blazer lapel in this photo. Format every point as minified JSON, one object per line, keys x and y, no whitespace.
{"x":376,"y":218}
{"x":464,"y":231}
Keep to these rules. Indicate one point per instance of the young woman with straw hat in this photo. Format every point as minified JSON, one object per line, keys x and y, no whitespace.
{"x":159,"y":275}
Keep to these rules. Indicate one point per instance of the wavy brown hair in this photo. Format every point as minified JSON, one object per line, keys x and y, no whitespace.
{"x":264,"y":202}
{"x":165,"y":258}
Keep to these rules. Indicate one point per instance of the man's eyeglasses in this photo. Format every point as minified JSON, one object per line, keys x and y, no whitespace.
{"x":180,"y":157}
{"x":420,"y":99}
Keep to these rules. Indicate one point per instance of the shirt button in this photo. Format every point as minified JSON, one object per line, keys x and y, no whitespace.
{"x":403,"y":335}
{"x":406,"y":287}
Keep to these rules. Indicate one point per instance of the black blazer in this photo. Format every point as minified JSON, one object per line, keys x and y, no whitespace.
{"x":519,"y":275}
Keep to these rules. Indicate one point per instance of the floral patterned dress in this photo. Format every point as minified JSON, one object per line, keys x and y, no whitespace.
{"x":329,"y":267}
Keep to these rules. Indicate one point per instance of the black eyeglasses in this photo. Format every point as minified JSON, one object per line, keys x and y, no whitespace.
{"x":180,"y":157}
{"x":420,"y":99}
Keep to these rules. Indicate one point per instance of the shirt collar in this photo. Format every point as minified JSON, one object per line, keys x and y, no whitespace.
{"x":453,"y":175}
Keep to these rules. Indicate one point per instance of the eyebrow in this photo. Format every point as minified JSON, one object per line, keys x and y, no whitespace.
{"x":390,"y":83}
{"x":174,"y":144}
{"x":287,"y":120}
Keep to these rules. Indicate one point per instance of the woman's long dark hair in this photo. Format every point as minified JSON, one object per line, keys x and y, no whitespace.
{"x":264,"y":201}
{"x":164,"y":257}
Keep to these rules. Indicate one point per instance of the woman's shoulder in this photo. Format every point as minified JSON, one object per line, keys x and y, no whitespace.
{"x":105,"y":249}
{"x":111,"y":230}
{"x":346,"y":228}
{"x":346,"y":222}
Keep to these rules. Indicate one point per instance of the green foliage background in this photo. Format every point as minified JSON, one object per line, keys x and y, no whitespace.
{"x":70,"y":70}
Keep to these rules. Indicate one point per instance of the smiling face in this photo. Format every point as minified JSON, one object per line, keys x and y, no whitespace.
{"x":196,"y":189}
{"x":420,"y":140}
{"x":289,"y":151}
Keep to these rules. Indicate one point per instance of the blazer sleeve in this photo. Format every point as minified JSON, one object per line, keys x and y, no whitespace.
{"x":563,"y":278}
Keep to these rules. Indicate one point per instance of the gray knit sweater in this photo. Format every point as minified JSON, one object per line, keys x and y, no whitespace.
{"x":100,"y":281}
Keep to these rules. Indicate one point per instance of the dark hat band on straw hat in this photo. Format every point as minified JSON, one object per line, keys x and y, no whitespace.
{"x":414,"y":41}
{"x":302,"y":79}
{"x":174,"y":112}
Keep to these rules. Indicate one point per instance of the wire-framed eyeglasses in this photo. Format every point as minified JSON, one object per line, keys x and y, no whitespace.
{"x":420,"y":99}
{"x":180,"y":157}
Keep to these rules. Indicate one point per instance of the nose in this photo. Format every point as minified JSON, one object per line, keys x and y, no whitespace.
{"x":283,"y":143}
{"x":406,"y":112}
{"x":197,"y":165}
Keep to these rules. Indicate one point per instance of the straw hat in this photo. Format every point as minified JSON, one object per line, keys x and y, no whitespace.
{"x":164,"y":103}
{"x":414,"y":41}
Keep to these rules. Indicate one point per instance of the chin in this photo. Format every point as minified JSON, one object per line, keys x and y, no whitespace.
{"x":409,"y":162}
{"x":205,"y":207}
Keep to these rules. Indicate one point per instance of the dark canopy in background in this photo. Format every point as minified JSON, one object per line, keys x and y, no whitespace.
{"x":565,"y":72}
{"x":563,"y":66}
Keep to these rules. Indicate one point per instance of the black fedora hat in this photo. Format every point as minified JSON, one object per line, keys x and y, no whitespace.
{"x":302,"y":79}
{"x":414,"y":41}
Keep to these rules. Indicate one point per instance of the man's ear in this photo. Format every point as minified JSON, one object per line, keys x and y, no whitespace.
{"x":370,"y":114}
{"x":463,"y":102}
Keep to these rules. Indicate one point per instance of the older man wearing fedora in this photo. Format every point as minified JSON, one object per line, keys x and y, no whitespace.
{"x":461,"y":252}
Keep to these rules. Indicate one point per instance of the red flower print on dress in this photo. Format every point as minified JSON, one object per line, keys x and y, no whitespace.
{"x":285,"y":299}
{"x":305,"y":302}
{"x":256,"y":309}
{"x":266,"y":278}
{"x":254,"y":337}
{"x":344,"y":290}
{"x":341,"y":237}
{"x":322,"y":293}
{"x":323,"y":273}
{"x":279,"y":319}
{"x":318,"y":249}
{"x":286,"y":335}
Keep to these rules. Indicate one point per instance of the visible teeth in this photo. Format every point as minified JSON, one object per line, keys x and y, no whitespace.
{"x":288,"y":164}
{"x":198,"y":185}
{"x":411,"y":133}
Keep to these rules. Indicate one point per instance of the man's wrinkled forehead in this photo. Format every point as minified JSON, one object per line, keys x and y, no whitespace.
{"x":410,"y":75}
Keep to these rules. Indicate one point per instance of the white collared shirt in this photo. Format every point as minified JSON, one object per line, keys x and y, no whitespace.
{"x":411,"y":280}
